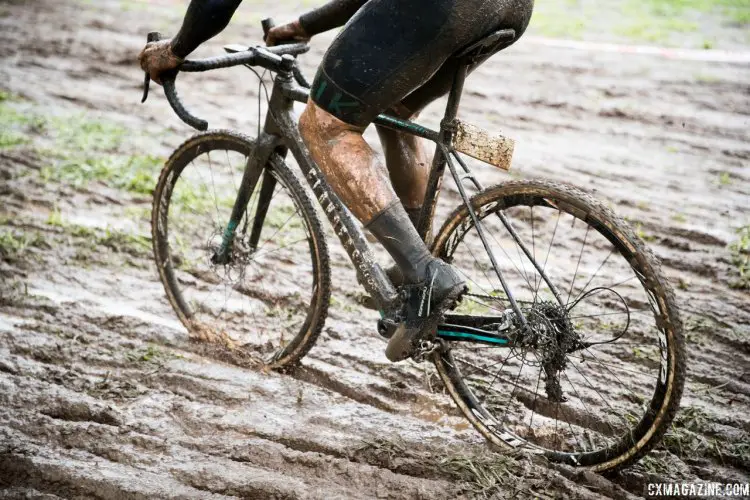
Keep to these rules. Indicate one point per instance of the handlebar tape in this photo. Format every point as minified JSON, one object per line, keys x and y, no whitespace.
{"x":177,"y":106}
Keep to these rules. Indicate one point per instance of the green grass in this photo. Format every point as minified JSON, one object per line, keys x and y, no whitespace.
{"x":9,"y":139}
{"x":79,"y":133}
{"x":740,"y":252}
{"x":679,"y":218}
{"x":692,"y":434}
{"x":55,"y":219}
{"x":639,"y":231}
{"x":14,"y":244}
{"x":114,"y":239}
{"x":135,"y":174}
{"x":654,"y":21}
{"x":724,"y":179}
{"x":483,"y":475}
{"x":12,"y":123}
{"x":123,"y":242}
{"x":150,"y":354}
{"x":77,"y":149}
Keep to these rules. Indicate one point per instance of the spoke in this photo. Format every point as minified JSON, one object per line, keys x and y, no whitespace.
{"x":497,"y":374}
{"x":205,"y":184}
{"x":578,"y":264}
{"x":485,"y":305}
{"x":636,"y":396}
{"x":486,"y":367}
{"x":594,"y":275}
{"x":630,"y":311}
{"x":634,"y":372}
{"x":598,"y":394}
{"x":621,"y":282}
{"x":514,"y":383}
{"x":231,"y":171}
{"x":213,"y":186}
{"x":473,"y":256}
{"x":537,"y":278}
{"x":523,"y":275}
{"x":533,"y":404}
{"x":583,"y":403}
{"x":546,"y":258}
{"x":296,"y":212}
{"x":256,"y":255}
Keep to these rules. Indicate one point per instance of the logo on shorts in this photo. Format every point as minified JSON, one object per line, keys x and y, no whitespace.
{"x":334,"y":105}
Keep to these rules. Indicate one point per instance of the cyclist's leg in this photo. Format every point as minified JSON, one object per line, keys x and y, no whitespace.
{"x":366,"y":70}
{"x":408,"y":157}
{"x":408,"y":160}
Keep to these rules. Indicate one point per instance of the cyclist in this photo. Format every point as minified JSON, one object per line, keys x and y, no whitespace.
{"x":392,"y":55}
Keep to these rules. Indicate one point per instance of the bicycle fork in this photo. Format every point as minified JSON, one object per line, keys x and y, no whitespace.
{"x":256,"y":165}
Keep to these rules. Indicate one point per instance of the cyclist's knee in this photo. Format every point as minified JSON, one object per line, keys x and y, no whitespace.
{"x":316,"y":124}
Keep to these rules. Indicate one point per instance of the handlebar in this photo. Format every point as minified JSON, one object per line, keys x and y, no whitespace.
{"x":278,"y":58}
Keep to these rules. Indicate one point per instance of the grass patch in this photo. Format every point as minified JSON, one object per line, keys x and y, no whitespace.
{"x":78,"y":149}
{"x":9,"y":139}
{"x":740,"y":250}
{"x":123,"y":242}
{"x":150,"y":354}
{"x":78,"y":133}
{"x":724,"y":179}
{"x":655,"y":21}
{"x":55,"y":219}
{"x":116,"y":240}
{"x":484,"y":475}
{"x":134,"y":174}
{"x":12,"y":123}
{"x":692,"y":434}
{"x":679,"y":218}
{"x":643,"y":234}
{"x":14,"y":244}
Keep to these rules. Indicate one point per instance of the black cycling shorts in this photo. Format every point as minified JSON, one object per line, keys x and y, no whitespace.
{"x":395,"y":51}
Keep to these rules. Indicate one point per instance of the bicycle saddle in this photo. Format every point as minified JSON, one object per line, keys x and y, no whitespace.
{"x":488,"y":45}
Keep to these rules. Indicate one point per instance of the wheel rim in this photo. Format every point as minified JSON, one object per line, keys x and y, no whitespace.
{"x":264,"y":298}
{"x":594,"y":425}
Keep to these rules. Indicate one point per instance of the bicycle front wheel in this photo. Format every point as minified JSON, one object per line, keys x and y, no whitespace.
{"x":271,"y":294}
{"x":595,"y":377}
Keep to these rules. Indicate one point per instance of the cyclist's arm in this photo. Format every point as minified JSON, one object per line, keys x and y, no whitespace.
{"x":331,"y":15}
{"x":207,"y":18}
{"x":204,"y":19}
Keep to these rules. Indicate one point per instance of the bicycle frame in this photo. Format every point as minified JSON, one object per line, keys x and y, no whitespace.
{"x":280,"y":135}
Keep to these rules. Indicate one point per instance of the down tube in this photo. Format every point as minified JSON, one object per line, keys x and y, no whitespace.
{"x":369,"y":272}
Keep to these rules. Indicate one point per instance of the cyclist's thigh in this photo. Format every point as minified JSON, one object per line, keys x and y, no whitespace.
{"x":392,"y":47}
{"x":440,"y":83}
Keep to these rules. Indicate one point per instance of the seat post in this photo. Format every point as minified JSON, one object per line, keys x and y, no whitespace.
{"x":454,"y":97}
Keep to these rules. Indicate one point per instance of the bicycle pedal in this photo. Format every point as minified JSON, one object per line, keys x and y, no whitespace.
{"x":386,"y":328}
{"x":425,"y":349}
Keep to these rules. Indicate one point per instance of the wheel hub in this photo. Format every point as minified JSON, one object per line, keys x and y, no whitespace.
{"x":551,"y":334}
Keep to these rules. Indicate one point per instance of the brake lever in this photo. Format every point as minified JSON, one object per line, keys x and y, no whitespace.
{"x":153,"y":36}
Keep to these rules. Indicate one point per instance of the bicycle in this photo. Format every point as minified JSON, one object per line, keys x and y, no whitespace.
{"x":228,"y":243}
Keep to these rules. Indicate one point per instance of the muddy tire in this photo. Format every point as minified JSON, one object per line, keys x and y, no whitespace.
{"x":271,"y":300}
{"x":578,"y":429}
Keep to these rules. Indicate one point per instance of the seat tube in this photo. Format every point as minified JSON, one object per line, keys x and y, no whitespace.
{"x":454,"y":98}
{"x":435,"y":180}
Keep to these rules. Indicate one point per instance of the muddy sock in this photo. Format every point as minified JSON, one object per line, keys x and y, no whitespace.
{"x":396,"y":232}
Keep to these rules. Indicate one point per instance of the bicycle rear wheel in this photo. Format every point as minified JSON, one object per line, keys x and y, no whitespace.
{"x":597,"y":377}
{"x":272,"y":295}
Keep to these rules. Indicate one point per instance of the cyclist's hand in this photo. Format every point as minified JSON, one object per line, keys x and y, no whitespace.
{"x":157,"y":57}
{"x":286,"y":33}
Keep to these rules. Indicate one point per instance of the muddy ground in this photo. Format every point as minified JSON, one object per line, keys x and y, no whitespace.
{"x":102,"y":395}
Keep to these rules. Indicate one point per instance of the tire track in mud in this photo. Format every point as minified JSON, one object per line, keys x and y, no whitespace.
{"x":99,"y":384}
